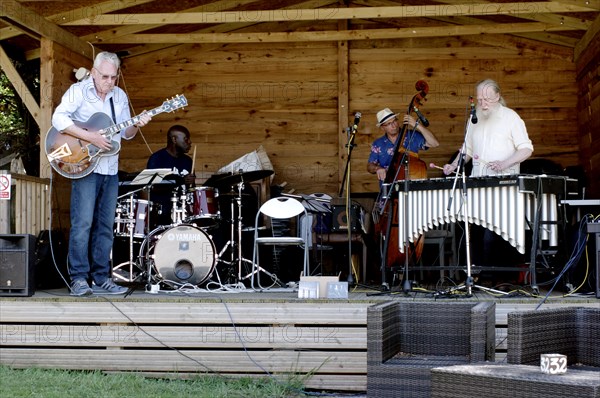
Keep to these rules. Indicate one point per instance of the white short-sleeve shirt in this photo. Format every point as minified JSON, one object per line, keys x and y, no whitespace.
{"x":495,"y":139}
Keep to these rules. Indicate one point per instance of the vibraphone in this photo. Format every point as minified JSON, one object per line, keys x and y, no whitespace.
{"x":507,"y":205}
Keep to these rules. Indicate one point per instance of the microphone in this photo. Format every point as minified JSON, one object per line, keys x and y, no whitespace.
{"x":357,"y":116}
{"x":473,"y":111}
{"x":422,"y":118}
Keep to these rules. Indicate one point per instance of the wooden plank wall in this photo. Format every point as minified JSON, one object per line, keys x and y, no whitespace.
{"x":241,"y":96}
{"x":588,"y":114}
{"x":285,"y":97}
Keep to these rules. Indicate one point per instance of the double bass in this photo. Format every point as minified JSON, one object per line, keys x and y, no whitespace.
{"x":405,"y":165}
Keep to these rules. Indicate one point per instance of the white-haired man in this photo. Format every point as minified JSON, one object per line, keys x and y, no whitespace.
{"x":94,"y":197}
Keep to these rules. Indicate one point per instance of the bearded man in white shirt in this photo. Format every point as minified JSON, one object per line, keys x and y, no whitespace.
{"x":497,"y":144}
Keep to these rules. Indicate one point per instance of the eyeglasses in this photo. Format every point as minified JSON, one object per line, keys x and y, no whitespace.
{"x":106,"y":77}
{"x":394,"y":121}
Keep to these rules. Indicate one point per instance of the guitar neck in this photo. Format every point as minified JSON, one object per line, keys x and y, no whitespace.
{"x":115,"y":128}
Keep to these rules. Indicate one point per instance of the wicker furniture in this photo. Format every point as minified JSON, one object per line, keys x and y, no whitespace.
{"x":571,"y":331}
{"x":502,"y":380}
{"x":406,"y":339}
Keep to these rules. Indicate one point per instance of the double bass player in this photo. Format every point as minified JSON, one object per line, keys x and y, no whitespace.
{"x":384,"y":162}
{"x":382,"y":149}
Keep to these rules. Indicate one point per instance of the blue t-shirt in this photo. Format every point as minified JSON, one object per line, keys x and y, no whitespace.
{"x":162,"y":159}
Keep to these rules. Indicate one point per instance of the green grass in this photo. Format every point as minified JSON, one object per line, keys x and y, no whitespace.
{"x":48,"y":383}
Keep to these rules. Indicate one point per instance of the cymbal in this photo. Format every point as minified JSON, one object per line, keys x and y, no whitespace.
{"x":248,"y":176}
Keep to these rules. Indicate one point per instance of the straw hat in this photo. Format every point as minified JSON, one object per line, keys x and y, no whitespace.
{"x":385,"y":115}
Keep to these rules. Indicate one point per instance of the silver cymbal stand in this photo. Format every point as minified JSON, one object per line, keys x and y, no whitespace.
{"x":240,"y":257}
{"x":235,"y":242}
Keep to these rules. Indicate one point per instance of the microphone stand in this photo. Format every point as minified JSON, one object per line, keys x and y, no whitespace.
{"x":350,"y":146}
{"x":406,"y":286}
{"x":461,"y":172}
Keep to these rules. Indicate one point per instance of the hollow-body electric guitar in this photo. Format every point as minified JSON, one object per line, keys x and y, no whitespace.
{"x":73,"y":158}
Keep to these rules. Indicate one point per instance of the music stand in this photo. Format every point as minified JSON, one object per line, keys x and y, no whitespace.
{"x":319,"y":205}
{"x":150,"y":176}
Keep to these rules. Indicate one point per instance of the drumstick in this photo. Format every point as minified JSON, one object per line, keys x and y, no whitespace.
{"x":194,"y":159}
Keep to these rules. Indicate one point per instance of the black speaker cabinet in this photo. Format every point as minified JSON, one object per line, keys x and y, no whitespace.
{"x":339,"y":220}
{"x":17,"y":265}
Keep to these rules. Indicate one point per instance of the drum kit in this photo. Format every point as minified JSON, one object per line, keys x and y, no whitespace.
{"x":181,"y":251}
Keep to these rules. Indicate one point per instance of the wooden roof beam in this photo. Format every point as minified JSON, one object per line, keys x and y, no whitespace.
{"x":99,"y":37}
{"x":557,"y":19}
{"x":33,"y":23}
{"x":79,"y":13}
{"x":327,"y":14}
{"x":20,"y":87}
{"x":587,"y":38}
{"x":367,"y":34}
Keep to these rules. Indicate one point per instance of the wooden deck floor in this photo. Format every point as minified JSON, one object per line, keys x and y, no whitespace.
{"x":238,"y":333}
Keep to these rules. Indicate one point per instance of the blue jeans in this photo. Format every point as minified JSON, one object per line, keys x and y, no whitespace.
{"x":93,"y":204}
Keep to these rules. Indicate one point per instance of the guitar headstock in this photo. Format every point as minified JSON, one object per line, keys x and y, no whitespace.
{"x":171,"y":105}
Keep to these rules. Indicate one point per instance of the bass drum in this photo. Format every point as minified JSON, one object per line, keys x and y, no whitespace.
{"x":184,"y":254}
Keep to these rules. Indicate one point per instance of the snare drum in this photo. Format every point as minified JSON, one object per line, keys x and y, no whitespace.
{"x":202,"y":206}
{"x":183,"y":253}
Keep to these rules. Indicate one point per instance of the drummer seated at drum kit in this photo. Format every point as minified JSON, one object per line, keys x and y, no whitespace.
{"x":173,"y":156}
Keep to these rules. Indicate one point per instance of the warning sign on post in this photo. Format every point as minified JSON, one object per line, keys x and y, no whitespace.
{"x":5,"y":186}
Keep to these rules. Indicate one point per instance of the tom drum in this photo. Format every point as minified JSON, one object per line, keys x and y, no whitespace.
{"x":202,"y":206}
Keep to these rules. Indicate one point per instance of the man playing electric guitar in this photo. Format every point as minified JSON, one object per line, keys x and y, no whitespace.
{"x":94,"y":196}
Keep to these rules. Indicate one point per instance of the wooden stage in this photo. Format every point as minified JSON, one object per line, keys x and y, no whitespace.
{"x":238,"y":333}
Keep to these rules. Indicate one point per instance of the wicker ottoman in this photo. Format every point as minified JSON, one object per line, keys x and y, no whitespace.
{"x":523,"y":381}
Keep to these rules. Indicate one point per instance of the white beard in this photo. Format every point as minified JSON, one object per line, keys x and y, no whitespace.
{"x":485,"y":114}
